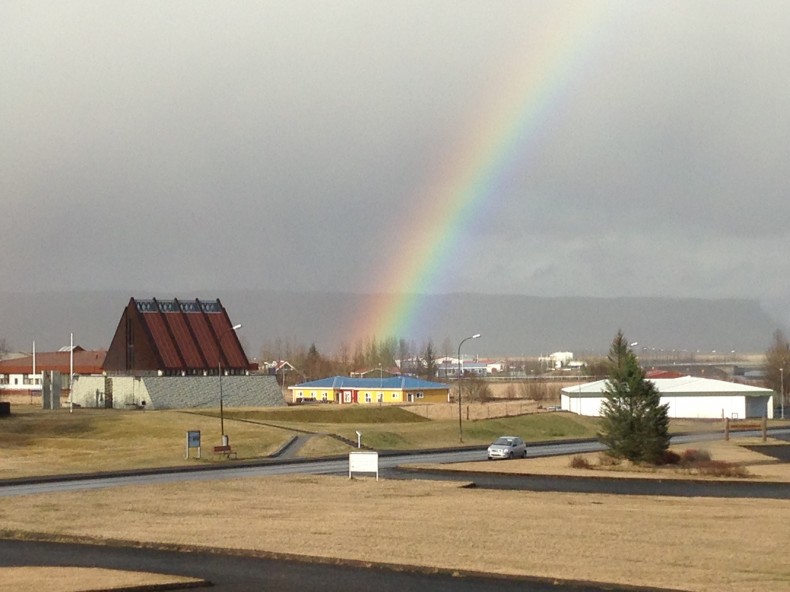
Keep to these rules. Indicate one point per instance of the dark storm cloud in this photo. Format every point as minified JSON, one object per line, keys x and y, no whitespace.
{"x":187,"y":145}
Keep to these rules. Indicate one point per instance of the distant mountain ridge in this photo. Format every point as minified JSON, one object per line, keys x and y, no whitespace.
{"x":510,"y":325}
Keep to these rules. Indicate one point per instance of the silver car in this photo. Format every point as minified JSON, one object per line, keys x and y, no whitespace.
{"x":507,"y":447}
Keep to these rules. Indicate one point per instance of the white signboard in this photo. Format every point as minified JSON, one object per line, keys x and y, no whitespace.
{"x":363,"y":462}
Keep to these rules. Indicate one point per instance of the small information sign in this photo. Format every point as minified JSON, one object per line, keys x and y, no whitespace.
{"x":193,"y":441}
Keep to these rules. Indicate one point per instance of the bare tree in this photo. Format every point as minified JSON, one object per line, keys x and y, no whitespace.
{"x":533,"y":389}
{"x":388,"y":349}
{"x":777,"y":364}
{"x":403,"y":354}
{"x":597,"y":367}
{"x":477,"y":390}
{"x":343,"y":357}
{"x":447,"y":348}
{"x":358,"y":361}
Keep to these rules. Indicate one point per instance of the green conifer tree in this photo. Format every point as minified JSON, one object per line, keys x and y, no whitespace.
{"x":429,"y":359}
{"x":634,"y":423}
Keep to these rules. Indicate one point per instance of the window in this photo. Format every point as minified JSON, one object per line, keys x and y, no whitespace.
{"x":420,"y":396}
{"x":323,"y":397}
{"x":380,"y":397}
{"x":367,"y":397}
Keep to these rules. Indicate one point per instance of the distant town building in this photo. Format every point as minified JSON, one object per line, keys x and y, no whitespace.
{"x":22,"y":374}
{"x":370,"y":391}
{"x":449,"y":367}
{"x":688,"y":397}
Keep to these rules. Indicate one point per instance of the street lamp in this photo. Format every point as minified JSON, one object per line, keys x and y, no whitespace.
{"x":460,"y":377}
{"x":219,"y":369}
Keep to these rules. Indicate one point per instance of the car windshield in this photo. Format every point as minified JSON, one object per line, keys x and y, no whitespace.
{"x":504,"y":441}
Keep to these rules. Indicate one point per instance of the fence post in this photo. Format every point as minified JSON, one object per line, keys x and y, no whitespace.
{"x":765,"y":429}
{"x":726,"y":428}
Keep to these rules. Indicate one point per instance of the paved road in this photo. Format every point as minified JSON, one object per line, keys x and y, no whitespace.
{"x":246,"y":574}
{"x":389,"y":464}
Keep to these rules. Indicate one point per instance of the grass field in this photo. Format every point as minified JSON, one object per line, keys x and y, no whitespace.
{"x":36,"y":442}
{"x":696,"y":544}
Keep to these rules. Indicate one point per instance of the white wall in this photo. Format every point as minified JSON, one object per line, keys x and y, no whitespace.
{"x":581,"y":405}
{"x":21,"y":382}
{"x":688,"y":407}
{"x":715,"y":407}
{"x":127,"y":392}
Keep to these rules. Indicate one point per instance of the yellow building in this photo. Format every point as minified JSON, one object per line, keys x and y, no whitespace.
{"x":370,"y":391}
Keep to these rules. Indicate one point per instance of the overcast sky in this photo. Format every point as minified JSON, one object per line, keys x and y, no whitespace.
{"x":162,"y":147}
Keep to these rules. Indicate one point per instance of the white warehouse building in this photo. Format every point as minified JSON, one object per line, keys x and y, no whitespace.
{"x":688,"y":397}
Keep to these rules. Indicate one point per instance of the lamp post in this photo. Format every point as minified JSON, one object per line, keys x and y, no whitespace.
{"x":219,"y":369}
{"x":782,"y":388}
{"x":460,"y":377}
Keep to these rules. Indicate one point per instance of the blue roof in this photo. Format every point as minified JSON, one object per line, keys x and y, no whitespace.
{"x":394,"y":382}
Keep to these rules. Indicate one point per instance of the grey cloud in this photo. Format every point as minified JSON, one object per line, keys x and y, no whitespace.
{"x":159,"y":145}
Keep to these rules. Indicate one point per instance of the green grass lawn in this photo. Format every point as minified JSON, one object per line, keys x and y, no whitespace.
{"x":392,"y":428}
{"x":328,"y":414}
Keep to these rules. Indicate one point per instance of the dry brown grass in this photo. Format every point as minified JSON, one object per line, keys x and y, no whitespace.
{"x":76,"y":579}
{"x":35,"y":442}
{"x":698,"y":544}
{"x":759,"y":466}
{"x":474,"y":411}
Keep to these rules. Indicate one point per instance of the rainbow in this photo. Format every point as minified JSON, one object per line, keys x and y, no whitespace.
{"x":459,"y":192}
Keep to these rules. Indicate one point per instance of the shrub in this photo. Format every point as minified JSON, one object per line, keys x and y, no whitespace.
{"x":693,"y":455}
{"x":607,"y":460}
{"x":476,"y":389}
{"x":670,"y":457}
{"x":580,"y":462}
{"x":535,"y":390}
{"x":720,"y":468}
